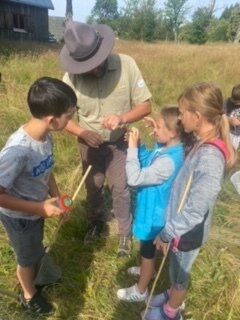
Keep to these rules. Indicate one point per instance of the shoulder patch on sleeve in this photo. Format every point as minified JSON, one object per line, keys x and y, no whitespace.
{"x":141,"y":83}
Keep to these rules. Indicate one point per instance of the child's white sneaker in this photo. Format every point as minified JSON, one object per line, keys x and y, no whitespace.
{"x":132,"y":294}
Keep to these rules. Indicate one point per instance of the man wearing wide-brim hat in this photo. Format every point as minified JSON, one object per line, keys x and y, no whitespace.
{"x":232,"y":108}
{"x":111,"y":94}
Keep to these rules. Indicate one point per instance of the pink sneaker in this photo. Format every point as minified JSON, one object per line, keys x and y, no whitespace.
{"x":159,"y":314}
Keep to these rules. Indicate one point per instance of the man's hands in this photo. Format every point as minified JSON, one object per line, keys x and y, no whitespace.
{"x":92,"y":138}
{"x":112,"y":122}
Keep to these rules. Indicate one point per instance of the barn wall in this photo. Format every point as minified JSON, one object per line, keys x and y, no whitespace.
{"x":23,"y":22}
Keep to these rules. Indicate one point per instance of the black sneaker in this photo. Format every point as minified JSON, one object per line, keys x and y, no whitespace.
{"x":37,"y":305}
{"x":42,"y":287}
{"x":125,"y":246}
{"x":94,"y":231}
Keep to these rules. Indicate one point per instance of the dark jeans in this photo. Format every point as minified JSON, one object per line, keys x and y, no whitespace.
{"x":108,"y":161}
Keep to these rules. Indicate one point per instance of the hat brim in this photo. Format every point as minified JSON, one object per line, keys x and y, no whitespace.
{"x":78,"y":67}
{"x":236,"y":102}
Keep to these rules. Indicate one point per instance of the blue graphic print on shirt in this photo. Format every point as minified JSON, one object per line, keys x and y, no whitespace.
{"x":43,"y":166}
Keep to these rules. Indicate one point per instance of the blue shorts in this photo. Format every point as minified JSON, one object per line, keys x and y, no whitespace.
{"x":180,"y":266}
{"x":26,"y":238}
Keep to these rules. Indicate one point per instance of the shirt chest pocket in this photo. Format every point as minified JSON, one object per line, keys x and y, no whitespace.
{"x":88,"y":107}
{"x":116,"y":102}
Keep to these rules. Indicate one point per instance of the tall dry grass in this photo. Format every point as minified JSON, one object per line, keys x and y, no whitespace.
{"x":92,"y":274}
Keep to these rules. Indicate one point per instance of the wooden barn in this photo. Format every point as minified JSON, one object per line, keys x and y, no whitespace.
{"x":24,"y":19}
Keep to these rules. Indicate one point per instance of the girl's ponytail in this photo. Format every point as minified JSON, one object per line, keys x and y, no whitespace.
{"x":224,"y":134}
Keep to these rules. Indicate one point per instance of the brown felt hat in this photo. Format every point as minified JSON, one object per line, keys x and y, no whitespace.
{"x":86,"y":46}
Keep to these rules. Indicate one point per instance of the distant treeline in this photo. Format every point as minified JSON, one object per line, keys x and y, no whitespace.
{"x":175,"y":21}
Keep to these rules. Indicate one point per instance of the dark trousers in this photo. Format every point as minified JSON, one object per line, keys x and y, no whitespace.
{"x":108,"y":161}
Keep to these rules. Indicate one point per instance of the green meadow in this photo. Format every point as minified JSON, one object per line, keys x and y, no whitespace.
{"x":92,"y":274}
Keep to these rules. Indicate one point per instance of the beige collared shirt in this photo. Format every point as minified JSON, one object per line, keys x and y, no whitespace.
{"x":121,"y":88}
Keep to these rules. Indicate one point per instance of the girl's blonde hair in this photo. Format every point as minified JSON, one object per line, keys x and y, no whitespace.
{"x":207,"y":99}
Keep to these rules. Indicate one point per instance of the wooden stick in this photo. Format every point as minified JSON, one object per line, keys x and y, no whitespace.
{"x":156,"y":279}
{"x":81,"y":182}
{"x":187,"y":188}
{"x":61,"y":220}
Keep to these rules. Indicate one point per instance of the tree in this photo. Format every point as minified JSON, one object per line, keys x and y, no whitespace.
{"x":175,"y":11}
{"x":104,"y":11}
{"x":228,"y":11}
{"x":198,"y":33}
{"x":234,"y":24}
{"x":138,"y":20}
{"x":162,"y":31}
{"x":218,"y":31}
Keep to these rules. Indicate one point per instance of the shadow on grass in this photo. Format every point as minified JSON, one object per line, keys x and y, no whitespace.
{"x":77,"y":262}
{"x":74,"y":258}
{"x":127,"y":310}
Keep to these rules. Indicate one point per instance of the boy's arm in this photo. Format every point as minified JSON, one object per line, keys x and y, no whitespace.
{"x":43,"y":209}
{"x":53,"y":188}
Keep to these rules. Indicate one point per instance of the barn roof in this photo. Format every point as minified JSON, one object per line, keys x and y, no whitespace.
{"x":36,"y":3}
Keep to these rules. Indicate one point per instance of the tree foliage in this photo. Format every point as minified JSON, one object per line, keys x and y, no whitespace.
{"x":139,"y":20}
{"x":104,"y":11}
{"x":143,"y":20}
{"x":198,"y":33}
{"x":218,"y":30}
{"x":234,"y":23}
{"x":175,"y":11}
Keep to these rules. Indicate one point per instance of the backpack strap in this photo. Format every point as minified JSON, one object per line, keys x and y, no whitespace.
{"x":218,"y":143}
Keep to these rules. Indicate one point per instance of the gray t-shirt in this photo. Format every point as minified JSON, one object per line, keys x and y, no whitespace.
{"x":25,"y":167}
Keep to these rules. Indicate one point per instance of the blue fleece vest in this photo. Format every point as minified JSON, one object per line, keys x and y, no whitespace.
{"x":151,"y":201}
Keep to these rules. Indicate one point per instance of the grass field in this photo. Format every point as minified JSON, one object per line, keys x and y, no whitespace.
{"x":92,"y":274}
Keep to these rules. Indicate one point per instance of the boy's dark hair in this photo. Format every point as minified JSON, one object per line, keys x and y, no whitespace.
{"x":50,"y":96}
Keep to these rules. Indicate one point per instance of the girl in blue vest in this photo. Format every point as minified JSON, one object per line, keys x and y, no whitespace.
{"x":152,"y":172}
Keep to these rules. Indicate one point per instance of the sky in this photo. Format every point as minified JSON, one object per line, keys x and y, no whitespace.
{"x":82,"y":8}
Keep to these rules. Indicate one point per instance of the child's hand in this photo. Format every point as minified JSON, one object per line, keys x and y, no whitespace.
{"x":126,"y":136}
{"x":149,"y":122}
{"x":234,"y":121}
{"x":49,"y":208}
{"x":160,"y":245}
{"x":133,"y":138}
